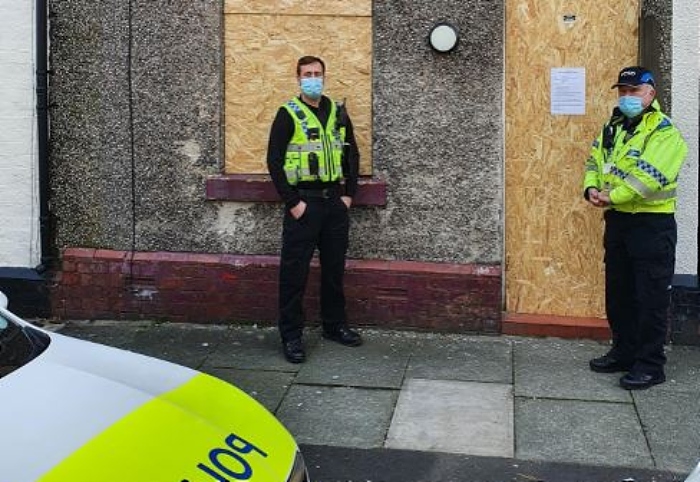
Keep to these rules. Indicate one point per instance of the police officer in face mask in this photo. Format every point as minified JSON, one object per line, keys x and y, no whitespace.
{"x":311,"y":151}
{"x":632,"y":173}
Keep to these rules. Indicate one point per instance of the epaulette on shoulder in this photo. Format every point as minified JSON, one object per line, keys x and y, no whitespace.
{"x":665,"y":123}
{"x":657,"y":120}
{"x":296,"y":109}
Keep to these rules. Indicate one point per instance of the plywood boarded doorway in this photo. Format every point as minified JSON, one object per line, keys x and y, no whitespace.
{"x":553,"y":239}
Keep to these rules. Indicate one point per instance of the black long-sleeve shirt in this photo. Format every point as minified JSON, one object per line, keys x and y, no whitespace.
{"x":281,"y":133}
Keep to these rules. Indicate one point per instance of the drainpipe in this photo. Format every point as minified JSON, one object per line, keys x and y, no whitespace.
{"x":42,"y":109}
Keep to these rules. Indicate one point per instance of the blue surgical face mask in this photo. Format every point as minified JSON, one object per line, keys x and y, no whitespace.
{"x":312,"y":87}
{"x":630,"y":105}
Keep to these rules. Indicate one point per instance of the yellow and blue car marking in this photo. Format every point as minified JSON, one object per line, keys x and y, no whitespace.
{"x":84,"y":412}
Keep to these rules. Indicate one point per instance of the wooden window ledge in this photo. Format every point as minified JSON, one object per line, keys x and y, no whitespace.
{"x":259,"y":188}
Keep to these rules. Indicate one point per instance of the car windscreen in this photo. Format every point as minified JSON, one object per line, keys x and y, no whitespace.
{"x":19,"y":345}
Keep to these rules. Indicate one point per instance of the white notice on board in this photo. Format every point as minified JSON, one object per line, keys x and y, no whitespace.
{"x":568,"y":96}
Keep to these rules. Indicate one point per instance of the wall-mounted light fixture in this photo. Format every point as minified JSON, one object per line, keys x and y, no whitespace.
{"x":443,"y":37}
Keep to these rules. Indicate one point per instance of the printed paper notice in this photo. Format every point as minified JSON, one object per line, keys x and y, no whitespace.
{"x":568,"y":91}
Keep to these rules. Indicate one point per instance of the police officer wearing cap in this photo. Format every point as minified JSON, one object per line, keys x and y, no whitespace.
{"x":632,"y":173}
{"x":311,"y":150}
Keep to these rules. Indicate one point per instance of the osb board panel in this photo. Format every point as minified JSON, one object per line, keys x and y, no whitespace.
{"x":260,"y":64}
{"x":553,"y":237}
{"x":301,"y":7}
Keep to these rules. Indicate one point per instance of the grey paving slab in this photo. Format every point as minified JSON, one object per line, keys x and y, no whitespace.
{"x":402,"y":341}
{"x":253,"y":348}
{"x":671,"y":421}
{"x":267,"y":387}
{"x":345,"y":397}
{"x":596,"y":433}
{"x":113,"y":333}
{"x":338,"y":416}
{"x":452,"y":416}
{"x":556,"y":368}
{"x":374,"y":364}
{"x":683,"y":369}
{"x":182,"y":343}
{"x":462,"y":358}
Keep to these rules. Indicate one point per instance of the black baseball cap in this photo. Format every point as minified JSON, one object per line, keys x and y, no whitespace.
{"x":633,"y":76}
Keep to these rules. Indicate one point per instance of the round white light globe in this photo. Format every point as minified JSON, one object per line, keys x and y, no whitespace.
{"x":443,"y":37}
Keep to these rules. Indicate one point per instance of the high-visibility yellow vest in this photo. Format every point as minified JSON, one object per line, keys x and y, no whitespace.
{"x":638,"y":169}
{"x":315,"y":152}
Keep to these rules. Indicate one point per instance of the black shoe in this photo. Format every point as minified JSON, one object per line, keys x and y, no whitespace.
{"x":294,"y":351}
{"x":344,"y":336}
{"x":640,"y":381}
{"x":608,"y":364}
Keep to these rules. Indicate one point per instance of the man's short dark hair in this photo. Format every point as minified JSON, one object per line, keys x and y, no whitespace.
{"x":309,"y":59}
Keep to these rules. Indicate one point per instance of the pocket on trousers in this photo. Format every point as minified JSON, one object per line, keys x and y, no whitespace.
{"x":657,"y":292}
{"x":661,"y":273}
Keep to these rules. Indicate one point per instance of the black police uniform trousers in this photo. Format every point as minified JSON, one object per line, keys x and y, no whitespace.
{"x":640,"y":255}
{"x":324,"y":225}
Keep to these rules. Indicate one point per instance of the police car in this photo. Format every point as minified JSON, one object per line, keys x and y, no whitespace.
{"x":75,"y":411}
{"x":694,"y":475}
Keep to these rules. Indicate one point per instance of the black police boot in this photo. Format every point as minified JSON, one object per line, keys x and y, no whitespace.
{"x":343,"y":335}
{"x":640,"y":381}
{"x":294,"y":351}
{"x":609,"y":364}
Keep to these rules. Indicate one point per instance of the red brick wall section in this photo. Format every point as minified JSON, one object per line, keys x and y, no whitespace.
{"x":224,"y":288}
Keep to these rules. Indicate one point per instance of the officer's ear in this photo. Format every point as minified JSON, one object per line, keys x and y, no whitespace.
{"x":650,"y":95}
{"x":652,"y":91}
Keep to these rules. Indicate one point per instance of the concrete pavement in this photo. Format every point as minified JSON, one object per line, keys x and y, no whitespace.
{"x":510,"y":399}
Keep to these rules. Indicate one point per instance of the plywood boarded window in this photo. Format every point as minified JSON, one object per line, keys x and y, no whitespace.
{"x":263,"y":40}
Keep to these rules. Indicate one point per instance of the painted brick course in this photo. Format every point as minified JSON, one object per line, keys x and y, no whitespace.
{"x":223,"y":288}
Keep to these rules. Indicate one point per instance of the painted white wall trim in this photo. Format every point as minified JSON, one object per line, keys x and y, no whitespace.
{"x":20,"y":243}
{"x":685,"y":97}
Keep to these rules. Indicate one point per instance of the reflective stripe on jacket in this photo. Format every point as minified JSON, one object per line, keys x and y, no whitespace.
{"x":315,"y":152}
{"x":638,"y":169}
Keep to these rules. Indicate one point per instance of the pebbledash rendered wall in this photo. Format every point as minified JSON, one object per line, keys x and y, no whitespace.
{"x":136,"y":118}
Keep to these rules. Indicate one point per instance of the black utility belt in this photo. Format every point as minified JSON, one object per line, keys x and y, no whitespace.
{"x":325,"y":193}
{"x":613,"y":213}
